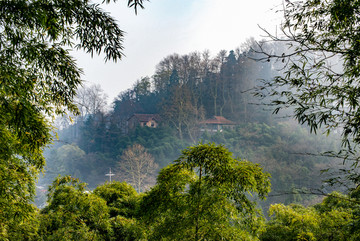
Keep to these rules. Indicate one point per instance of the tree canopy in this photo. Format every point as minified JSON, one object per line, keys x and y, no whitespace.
{"x":335,"y":218}
{"x":38,"y":79}
{"x":74,"y":213}
{"x":203,"y":195}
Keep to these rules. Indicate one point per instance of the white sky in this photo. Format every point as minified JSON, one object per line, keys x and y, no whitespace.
{"x":165,"y":27}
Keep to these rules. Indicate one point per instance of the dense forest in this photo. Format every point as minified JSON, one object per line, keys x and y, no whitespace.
{"x":183,"y":92}
{"x":193,"y":152}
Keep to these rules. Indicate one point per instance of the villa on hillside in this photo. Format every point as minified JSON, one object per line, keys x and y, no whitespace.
{"x":216,"y":123}
{"x":149,"y":120}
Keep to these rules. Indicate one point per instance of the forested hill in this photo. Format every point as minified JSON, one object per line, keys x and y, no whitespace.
{"x":185,"y":91}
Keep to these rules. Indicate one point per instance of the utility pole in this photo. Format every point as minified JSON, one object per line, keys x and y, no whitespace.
{"x":110,"y":174}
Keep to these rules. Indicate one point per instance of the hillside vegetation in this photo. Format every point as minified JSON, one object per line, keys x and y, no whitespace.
{"x":184,"y":91}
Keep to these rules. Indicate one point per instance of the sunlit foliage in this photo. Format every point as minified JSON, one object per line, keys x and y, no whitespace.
{"x":203,"y":195}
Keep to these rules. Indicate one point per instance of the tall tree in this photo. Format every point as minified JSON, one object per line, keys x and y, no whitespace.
{"x":211,"y":84}
{"x":228,"y":73}
{"x":221,"y":58}
{"x":94,"y":134}
{"x":137,"y":167}
{"x":39,"y":78}
{"x":90,"y":100}
{"x":203,"y":196}
{"x":164,"y":70}
{"x":142,"y":88}
{"x":180,"y":112}
{"x":249,"y":74}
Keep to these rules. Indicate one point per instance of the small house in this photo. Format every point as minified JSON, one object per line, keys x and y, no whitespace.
{"x":149,"y":120}
{"x":216,"y":123}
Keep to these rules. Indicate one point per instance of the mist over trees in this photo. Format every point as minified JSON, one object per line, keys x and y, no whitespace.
{"x":211,"y":191}
{"x":183,"y":92}
{"x":320,"y":84}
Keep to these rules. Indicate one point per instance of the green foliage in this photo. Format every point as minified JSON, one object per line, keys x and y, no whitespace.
{"x":38,"y":79}
{"x":120,"y":197}
{"x":65,"y":159}
{"x":203,"y":195}
{"x":71,"y":160}
{"x":127,"y":229}
{"x":292,"y":222}
{"x":161,"y":143}
{"x":285,"y":150}
{"x":123,"y":201}
{"x":73,"y":213}
{"x":333,"y":219}
{"x":16,"y":190}
{"x":21,"y":228}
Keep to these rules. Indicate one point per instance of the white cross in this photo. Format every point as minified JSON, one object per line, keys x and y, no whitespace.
{"x":110,"y":174}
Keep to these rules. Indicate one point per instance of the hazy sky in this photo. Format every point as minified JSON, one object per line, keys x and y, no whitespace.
{"x":165,"y":27}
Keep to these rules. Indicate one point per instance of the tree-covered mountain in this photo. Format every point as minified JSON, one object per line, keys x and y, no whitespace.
{"x":183,"y":92}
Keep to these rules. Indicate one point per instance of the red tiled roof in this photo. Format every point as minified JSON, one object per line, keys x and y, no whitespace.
{"x":219,"y":120}
{"x":145,"y":117}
